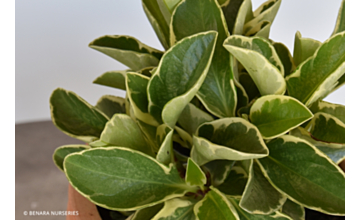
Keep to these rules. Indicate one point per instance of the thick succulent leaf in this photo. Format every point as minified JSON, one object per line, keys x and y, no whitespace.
{"x":123,"y":131}
{"x":218,"y":170}
{"x":261,"y":61}
{"x":327,"y":128}
{"x":265,"y":12}
{"x":230,"y":10}
{"x":147,"y":213}
{"x":194,"y":175}
{"x":293,"y":210}
{"x":114,"y":79}
{"x":179,"y":76}
{"x":229,"y":139}
{"x":293,"y":167}
{"x":304,"y":48}
{"x":215,"y":206}
{"x":157,"y":21}
{"x":191,"y":117}
{"x":136,"y":85}
{"x":246,"y":215}
{"x":128,"y":51}
{"x":164,"y":136}
{"x":317,"y":76}
{"x":274,"y":115}
{"x":285,"y":57}
{"x":111,"y":105}
{"x":336,"y":110}
{"x":244,"y":15}
{"x":262,"y":29}
{"x":217,"y":93}
{"x":61,"y":152}
{"x":336,"y":152}
{"x":259,"y":196}
{"x":108,"y":175}
{"x":176,"y":209}
{"x":75,"y":117}
{"x":340,"y":21}
{"x":235,"y":182}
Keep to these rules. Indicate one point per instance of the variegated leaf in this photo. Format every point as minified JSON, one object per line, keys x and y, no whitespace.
{"x":177,"y":209}
{"x":262,"y":29}
{"x":274,"y":115}
{"x":261,"y":61}
{"x":336,"y":110}
{"x":259,"y":196}
{"x":327,"y":128}
{"x":230,"y":9}
{"x":139,"y":178}
{"x":293,"y":167}
{"x":335,"y":151}
{"x":179,"y":76}
{"x":215,"y":205}
{"x":61,"y":152}
{"x":114,"y":79}
{"x":317,"y":76}
{"x":123,"y":131}
{"x":285,"y":57}
{"x":244,"y":15}
{"x":127,"y":50}
{"x":136,"y":85}
{"x":236,"y":180}
{"x":304,"y":48}
{"x":217,"y":93}
{"x":164,"y":135}
{"x":227,"y":139}
{"x":293,"y":210}
{"x":111,"y":105}
{"x":147,"y":213}
{"x":218,"y":170}
{"x":75,"y":117}
{"x":340,"y":21}
{"x":194,"y":175}
{"x":191,"y":117}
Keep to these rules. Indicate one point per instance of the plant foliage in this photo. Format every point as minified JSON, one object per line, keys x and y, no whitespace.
{"x":223,"y":124}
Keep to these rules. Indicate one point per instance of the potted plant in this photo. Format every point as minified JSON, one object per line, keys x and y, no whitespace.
{"x":223,"y":124}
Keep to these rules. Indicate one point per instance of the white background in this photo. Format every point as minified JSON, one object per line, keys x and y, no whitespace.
{"x":52,"y":36}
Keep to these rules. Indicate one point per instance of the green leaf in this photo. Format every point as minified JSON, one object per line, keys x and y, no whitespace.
{"x":340,"y":21}
{"x":229,"y":139}
{"x":293,"y":210}
{"x":335,"y":151}
{"x":182,"y":137}
{"x":235,"y":181}
{"x":123,"y":131}
{"x":61,"y":152}
{"x":249,"y":85}
{"x":128,"y":51}
{"x":75,"y":117}
{"x":230,"y":10}
{"x":194,"y":175}
{"x":262,"y":29}
{"x":157,"y":21}
{"x":167,"y":7}
{"x":261,"y":61}
{"x":136,"y":85}
{"x":215,"y":206}
{"x":304,"y":48}
{"x":285,"y":57}
{"x":242,"y":97}
{"x":259,"y":196}
{"x":336,"y":110}
{"x":106,"y":176}
{"x":246,"y":215}
{"x":164,"y":136}
{"x":176,"y":209}
{"x":327,"y":128}
{"x":217,"y":93}
{"x":265,"y":12}
{"x":147,"y":213}
{"x":179,"y":76}
{"x":274,"y":115}
{"x":115,"y":79}
{"x":111,"y":105}
{"x":293,"y":167}
{"x":244,"y":15}
{"x":317,"y":76}
{"x":191,"y":117}
{"x":218,"y":170}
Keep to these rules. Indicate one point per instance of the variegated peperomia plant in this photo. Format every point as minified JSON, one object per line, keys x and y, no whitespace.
{"x":225,"y":124}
